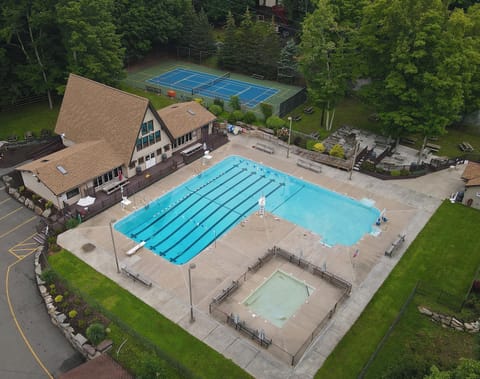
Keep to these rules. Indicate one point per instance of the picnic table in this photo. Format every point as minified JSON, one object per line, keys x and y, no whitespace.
{"x":433,"y":147}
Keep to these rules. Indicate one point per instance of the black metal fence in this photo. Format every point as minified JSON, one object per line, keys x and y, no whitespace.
{"x":292,"y":102}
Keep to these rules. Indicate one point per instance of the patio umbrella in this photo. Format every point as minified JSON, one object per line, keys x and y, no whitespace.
{"x":86,"y":201}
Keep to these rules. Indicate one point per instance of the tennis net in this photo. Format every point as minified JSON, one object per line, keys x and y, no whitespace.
{"x":197,"y":89}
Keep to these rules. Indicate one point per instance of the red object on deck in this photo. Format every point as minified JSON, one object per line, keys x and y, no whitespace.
{"x":171,"y":93}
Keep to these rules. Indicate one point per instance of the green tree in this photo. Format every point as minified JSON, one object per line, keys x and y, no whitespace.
{"x":419,"y":76}
{"x":91,"y":42}
{"x":246,"y":42}
{"x":287,"y":64}
{"x":228,"y":56}
{"x":202,"y":38}
{"x":467,"y":369}
{"x":324,"y":58}
{"x":266,"y":50}
{"x":218,"y":10}
{"x":30,"y":27}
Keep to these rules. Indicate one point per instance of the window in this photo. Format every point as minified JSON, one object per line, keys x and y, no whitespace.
{"x":132,"y":164}
{"x":140,"y":160}
{"x":144,"y":128}
{"x":151,"y":139}
{"x":166,"y":147}
{"x":145,"y":141}
{"x":150,"y":125}
{"x":157,"y":136}
{"x":72,"y":193}
{"x":98,"y":181}
{"x":159,"y":151}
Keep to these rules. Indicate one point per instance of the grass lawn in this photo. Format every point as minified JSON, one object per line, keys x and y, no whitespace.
{"x":158,"y":101}
{"x":33,"y":118}
{"x":444,"y":255}
{"x":147,"y":322}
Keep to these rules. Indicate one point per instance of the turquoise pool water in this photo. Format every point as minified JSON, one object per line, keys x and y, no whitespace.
{"x":278,"y":298}
{"x":183,"y":222}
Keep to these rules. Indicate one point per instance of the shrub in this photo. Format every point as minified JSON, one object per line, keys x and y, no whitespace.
{"x":249,"y":117}
{"x":318,"y":146}
{"x":218,"y":102}
{"x":150,"y":367}
{"x":266,"y":109}
{"x":21,"y":189}
{"x":96,"y":333}
{"x":238,"y":115}
{"x":337,"y":151}
{"x":235,"y":102}
{"x":215,"y":109}
{"x":368,"y":166}
{"x":231,"y":118}
{"x":48,"y":276}
{"x":35,"y":197}
{"x":48,"y":204}
{"x":395,"y":173}
{"x":310,"y":144}
{"x":81,"y":324}
{"x":58,"y":299}
{"x":300,"y":142}
{"x":404,"y":172}
{"x":72,"y":314}
{"x":275,"y":122}
{"x":282,"y":133}
{"x":72,"y":223}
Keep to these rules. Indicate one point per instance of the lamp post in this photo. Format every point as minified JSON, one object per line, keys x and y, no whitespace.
{"x":190,"y":268}
{"x":114,"y":246}
{"x":289,"y":135}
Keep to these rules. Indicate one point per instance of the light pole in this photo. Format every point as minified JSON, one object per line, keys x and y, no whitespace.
{"x":190,"y":268}
{"x":289,"y":135}
{"x":114,"y":246}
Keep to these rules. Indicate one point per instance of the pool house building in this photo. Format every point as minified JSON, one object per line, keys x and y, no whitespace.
{"x":111,"y":136}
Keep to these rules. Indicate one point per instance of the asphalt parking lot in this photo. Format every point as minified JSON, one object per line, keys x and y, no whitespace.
{"x":30,"y":346}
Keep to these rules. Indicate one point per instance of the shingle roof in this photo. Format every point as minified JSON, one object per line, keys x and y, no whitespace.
{"x":471,"y":174}
{"x":82,"y":162}
{"x":93,"y":111}
{"x":182,"y":118}
{"x":102,"y":367}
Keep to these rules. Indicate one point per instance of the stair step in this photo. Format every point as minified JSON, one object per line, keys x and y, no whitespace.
{"x":40,"y":238}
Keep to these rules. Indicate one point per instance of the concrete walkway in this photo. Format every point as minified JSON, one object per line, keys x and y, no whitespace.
{"x":409,"y":205}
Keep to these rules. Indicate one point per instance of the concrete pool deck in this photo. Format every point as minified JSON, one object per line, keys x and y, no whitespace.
{"x":409,"y":205}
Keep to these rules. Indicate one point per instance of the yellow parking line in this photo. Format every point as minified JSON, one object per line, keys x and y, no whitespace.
{"x":12,"y":212}
{"x":4,"y":201}
{"x":18,"y":226}
{"x":18,"y":324}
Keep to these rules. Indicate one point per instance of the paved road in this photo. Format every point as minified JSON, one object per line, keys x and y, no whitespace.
{"x":30,"y":346}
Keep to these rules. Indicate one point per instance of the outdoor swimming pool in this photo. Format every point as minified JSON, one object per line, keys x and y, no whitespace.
{"x":184,"y":221}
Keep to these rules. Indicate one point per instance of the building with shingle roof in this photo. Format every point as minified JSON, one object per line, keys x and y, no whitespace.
{"x":471,"y":176}
{"x":110,"y":136}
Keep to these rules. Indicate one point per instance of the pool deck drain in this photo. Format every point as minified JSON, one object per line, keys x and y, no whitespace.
{"x":408,"y":210}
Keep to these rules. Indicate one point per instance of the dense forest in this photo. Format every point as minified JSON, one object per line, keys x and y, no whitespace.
{"x":421,"y":59}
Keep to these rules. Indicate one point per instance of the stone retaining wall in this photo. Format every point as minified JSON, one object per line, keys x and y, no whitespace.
{"x":450,"y":321}
{"x":59,"y":319}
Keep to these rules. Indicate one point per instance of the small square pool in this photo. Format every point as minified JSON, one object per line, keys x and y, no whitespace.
{"x":278,"y":298}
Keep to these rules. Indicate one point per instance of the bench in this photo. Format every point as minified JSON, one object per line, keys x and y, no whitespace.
{"x":433,"y":147}
{"x":136,"y":276}
{"x":114,"y":186}
{"x":156,"y":90}
{"x":264,"y":148}
{"x":226,"y":292}
{"x":465,"y":146}
{"x":257,"y":336}
{"x":408,"y":140}
{"x":315,"y":167}
{"x":308,"y":110}
{"x":192,"y":149}
{"x":395,"y":245}
{"x":296,"y":117}
{"x":257,"y":76}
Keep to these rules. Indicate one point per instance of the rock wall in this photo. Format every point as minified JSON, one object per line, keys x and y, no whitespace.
{"x":450,"y":321}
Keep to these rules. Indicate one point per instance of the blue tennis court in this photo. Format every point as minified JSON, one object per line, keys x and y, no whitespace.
{"x":208,"y":85}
